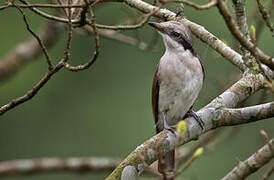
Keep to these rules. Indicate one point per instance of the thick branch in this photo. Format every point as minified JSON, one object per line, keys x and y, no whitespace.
{"x":199,"y":31}
{"x":39,"y":165}
{"x":231,"y":117}
{"x":253,"y":163}
{"x":212,"y":115}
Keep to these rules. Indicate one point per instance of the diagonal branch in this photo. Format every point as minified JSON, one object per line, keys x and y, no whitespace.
{"x":214,"y":115}
{"x":253,"y":163}
{"x":199,"y":31}
{"x":265,"y":16}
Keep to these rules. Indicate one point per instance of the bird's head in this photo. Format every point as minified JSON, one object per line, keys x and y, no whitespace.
{"x":176,"y":36}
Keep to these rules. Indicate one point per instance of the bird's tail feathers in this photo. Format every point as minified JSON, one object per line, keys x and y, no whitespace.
{"x":166,"y":165}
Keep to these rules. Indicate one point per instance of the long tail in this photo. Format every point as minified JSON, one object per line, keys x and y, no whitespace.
{"x":166,"y":165}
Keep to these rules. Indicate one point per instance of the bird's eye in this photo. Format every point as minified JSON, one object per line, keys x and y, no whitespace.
{"x":175,"y":34}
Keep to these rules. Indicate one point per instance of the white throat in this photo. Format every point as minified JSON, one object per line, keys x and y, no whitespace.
{"x":171,"y":44}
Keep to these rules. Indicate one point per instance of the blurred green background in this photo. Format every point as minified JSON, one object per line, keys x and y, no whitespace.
{"x":105,"y":111}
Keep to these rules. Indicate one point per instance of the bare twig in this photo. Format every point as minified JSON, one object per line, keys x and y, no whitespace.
{"x":60,"y":19}
{"x":32,"y":92}
{"x":253,"y":163}
{"x":260,"y":22}
{"x":96,"y":52}
{"x":115,"y":35}
{"x":212,"y":3}
{"x":68,"y":44}
{"x":265,"y":16}
{"x":9,"y":4}
{"x":37,"y":87}
{"x":48,"y":60}
{"x":127,"y":27}
{"x":48,"y":16}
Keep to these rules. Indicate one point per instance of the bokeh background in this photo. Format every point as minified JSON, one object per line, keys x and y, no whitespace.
{"x":105,"y":111}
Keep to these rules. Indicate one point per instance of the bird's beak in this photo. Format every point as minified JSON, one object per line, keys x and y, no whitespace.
{"x":157,"y":26}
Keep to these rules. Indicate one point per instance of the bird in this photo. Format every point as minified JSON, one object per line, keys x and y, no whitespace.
{"x":178,"y":79}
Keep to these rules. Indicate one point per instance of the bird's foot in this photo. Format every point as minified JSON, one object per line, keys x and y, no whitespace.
{"x":167,"y":127}
{"x":196,"y":117}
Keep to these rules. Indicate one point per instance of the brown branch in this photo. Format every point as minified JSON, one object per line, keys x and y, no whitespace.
{"x":128,"y":27}
{"x":265,"y":16}
{"x":44,"y":50}
{"x":48,"y":16}
{"x":68,"y":44}
{"x":255,"y":51}
{"x":37,"y":87}
{"x":96,"y":52}
{"x":253,"y":163}
{"x":60,"y":19}
{"x":9,"y":4}
{"x":115,"y":35}
{"x":32,"y":92}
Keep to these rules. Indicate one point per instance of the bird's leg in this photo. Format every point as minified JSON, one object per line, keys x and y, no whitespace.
{"x":166,"y":126}
{"x":196,"y":117}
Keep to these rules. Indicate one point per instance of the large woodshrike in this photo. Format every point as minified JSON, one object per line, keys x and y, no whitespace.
{"x":177,"y":82}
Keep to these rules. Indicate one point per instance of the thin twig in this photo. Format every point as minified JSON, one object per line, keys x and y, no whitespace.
{"x":115,"y":35}
{"x":259,"y":21}
{"x":68,"y":44}
{"x":48,"y":59}
{"x":127,"y":27}
{"x":31,"y":93}
{"x":212,"y":3}
{"x":265,"y":16}
{"x":48,"y":16}
{"x":96,"y":52}
{"x":9,"y":4}
{"x":253,"y":163}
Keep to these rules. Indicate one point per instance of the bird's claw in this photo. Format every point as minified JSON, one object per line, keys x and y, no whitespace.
{"x":196,"y":117}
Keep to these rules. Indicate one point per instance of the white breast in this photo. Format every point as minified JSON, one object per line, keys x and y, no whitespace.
{"x":181,"y":79}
